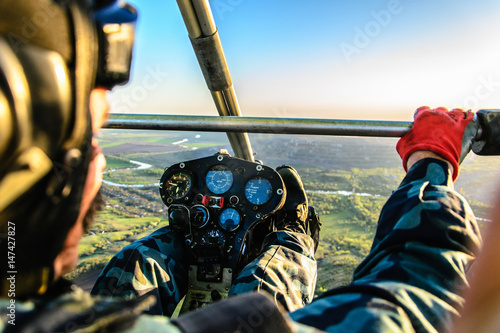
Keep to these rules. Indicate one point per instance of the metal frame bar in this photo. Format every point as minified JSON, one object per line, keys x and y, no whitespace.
{"x":229,"y":124}
{"x":202,"y":30}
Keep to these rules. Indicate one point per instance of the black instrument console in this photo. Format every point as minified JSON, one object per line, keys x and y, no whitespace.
{"x":214,"y":203}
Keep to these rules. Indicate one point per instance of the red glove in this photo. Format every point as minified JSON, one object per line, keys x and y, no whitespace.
{"x":446,"y":133}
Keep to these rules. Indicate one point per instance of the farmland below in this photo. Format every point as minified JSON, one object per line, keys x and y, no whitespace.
{"x":347,"y":181}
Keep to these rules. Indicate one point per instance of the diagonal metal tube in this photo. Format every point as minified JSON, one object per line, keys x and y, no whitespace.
{"x":203,"y":33}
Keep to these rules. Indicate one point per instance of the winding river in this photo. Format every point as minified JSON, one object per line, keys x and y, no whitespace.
{"x":141,"y":166}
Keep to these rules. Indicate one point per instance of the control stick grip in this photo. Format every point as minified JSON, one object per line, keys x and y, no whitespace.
{"x":488,"y":142}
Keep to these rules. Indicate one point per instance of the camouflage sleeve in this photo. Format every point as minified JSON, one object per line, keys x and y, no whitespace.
{"x":286,"y":269}
{"x":152,"y":265}
{"x":411,"y":281}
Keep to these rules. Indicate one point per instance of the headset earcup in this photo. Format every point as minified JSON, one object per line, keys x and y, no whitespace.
{"x":51,"y":97}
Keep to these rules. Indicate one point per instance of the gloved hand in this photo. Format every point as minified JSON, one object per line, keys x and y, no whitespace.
{"x":446,"y":133}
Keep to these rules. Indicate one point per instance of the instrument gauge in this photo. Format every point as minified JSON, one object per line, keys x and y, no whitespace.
{"x":219,"y":179}
{"x":177,"y":185}
{"x":199,"y":216}
{"x":229,"y":219}
{"x":213,"y":237}
{"x":258,"y":190}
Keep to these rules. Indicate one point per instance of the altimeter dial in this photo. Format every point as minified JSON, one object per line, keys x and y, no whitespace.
{"x":219,"y":179}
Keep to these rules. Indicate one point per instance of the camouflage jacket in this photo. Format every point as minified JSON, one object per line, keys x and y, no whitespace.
{"x":66,"y":308}
{"x":411,"y":280}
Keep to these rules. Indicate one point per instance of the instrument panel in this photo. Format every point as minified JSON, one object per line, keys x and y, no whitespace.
{"x":213,"y":202}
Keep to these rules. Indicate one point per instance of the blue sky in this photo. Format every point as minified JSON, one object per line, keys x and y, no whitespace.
{"x":336,"y":59}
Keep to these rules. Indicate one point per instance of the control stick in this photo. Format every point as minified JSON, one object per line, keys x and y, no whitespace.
{"x":488,"y":141}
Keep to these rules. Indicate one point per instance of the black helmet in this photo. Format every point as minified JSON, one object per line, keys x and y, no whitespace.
{"x":52,"y":54}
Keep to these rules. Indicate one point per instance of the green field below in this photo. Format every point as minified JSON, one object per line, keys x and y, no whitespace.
{"x":113,"y":162}
{"x":343,"y":244}
{"x":142,"y":176}
{"x":108,"y":235}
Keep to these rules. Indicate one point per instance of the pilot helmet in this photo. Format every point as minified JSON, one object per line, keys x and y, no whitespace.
{"x":52,"y":54}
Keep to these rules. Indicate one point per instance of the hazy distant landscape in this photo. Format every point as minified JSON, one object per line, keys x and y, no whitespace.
{"x":347,"y":180}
